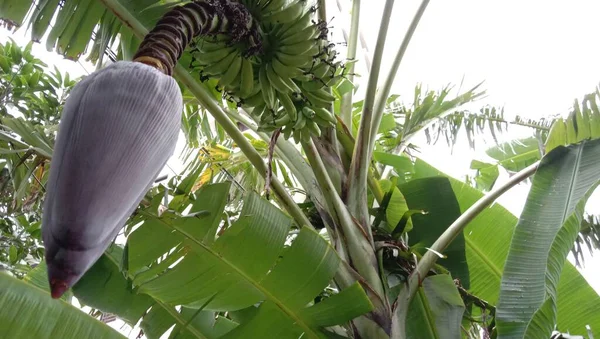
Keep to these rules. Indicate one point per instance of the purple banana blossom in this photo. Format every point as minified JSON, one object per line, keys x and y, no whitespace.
{"x":118,"y":129}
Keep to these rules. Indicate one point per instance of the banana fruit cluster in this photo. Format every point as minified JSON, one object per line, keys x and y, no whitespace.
{"x":287,"y":84}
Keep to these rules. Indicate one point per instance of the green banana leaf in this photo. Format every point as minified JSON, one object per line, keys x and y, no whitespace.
{"x":543,"y":237}
{"x":436,"y":197}
{"x":14,"y":11}
{"x":486,"y":176}
{"x":104,"y":279}
{"x":105,"y":288}
{"x":583,"y":123}
{"x":38,"y":277}
{"x":28,"y":312}
{"x":436,"y":311}
{"x":72,"y":32}
{"x":174,"y":260}
{"x":396,"y":207}
{"x":487,"y":238}
{"x":515,"y":155}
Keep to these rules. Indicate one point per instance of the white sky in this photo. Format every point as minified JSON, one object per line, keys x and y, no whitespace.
{"x":535,"y":56}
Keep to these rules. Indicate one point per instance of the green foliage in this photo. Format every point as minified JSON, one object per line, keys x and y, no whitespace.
{"x":515,"y":155}
{"x":225,"y":265}
{"x":32,"y":99}
{"x":27,"y":87}
{"x":426,"y":109}
{"x":583,"y":123}
{"x":436,"y":198}
{"x":27,"y":312}
{"x":551,"y":219}
{"x":437,"y":310}
{"x":486,"y":239}
{"x":486,"y":175}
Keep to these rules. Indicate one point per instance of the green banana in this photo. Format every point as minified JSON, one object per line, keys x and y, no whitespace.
{"x":268,"y":116}
{"x":258,"y":110}
{"x":247,"y":78}
{"x":324,"y":114}
{"x":292,"y":85}
{"x":285,"y":71}
{"x":305,"y":135}
{"x":334,"y":80}
{"x":305,"y":77}
{"x":288,"y":14}
{"x":296,"y":135}
{"x":308,"y":33}
{"x":297,"y":48}
{"x":255,"y":99}
{"x":232,"y":72}
{"x":313,"y":128}
{"x":267,"y":91}
{"x":273,"y":5}
{"x":320,"y":121}
{"x":282,"y":121}
{"x":316,"y":101}
{"x":276,"y":80}
{"x":300,"y":122}
{"x":313,"y":85}
{"x":287,"y":132}
{"x":208,"y":58}
{"x":205,"y":46}
{"x":298,"y":60}
{"x":324,"y":95}
{"x":288,"y":105}
{"x":321,"y":70}
{"x":221,"y":66}
{"x":302,"y":22}
{"x":308,"y":112}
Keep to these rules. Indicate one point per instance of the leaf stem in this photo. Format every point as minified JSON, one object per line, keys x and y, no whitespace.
{"x":359,"y":166}
{"x":169,"y":309}
{"x":359,"y":248}
{"x":322,"y":10}
{"x":328,"y":135}
{"x":346,"y":103}
{"x":347,"y":143}
{"x":430,"y":257}
{"x":384,"y":92}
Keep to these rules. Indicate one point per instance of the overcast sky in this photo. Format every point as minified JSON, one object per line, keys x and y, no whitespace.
{"x":535,"y":57}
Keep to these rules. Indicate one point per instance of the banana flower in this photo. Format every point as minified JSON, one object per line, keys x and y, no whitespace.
{"x":118,"y":128}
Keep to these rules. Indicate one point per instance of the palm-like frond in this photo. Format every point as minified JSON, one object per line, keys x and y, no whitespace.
{"x":589,"y":238}
{"x":402,"y":121}
{"x":582,"y":123}
{"x":81,"y":25}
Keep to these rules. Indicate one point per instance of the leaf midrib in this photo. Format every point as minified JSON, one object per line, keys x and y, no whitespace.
{"x":572,"y":182}
{"x":169,"y":310}
{"x":256,"y":284}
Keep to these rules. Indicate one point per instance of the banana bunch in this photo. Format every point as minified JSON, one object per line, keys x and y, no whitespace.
{"x":287,"y":84}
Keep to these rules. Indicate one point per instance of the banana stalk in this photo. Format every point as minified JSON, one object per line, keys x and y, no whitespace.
{"x":359,"y":166}
{"x":346,"y":102}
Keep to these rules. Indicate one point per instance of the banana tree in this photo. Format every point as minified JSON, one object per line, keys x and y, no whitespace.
{"x":405,"y":253}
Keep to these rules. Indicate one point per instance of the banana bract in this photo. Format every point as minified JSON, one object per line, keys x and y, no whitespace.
{"x":118,"y":129}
